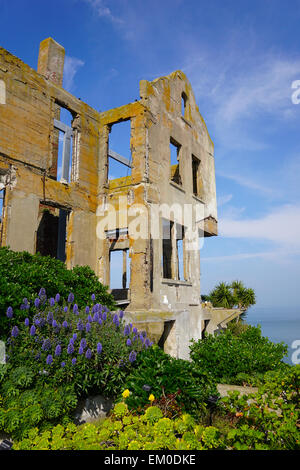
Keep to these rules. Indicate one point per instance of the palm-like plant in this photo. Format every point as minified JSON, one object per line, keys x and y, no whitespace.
{"x":222,"y":296}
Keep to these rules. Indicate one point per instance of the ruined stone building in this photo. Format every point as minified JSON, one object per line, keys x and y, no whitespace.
{"x":61,"y":201}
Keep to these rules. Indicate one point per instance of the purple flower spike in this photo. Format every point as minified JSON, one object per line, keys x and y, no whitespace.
{"x":57,"y":298}
{"x":83,"y":343}
{"x":74,"y":336}
{"x":63,"y":364}
{"x":37,"y":302}
{"x":75,"y":308}
{"x":32,"y":330}
{"x":80,"y":326}
{"x":51,"y":302}
{"x":87,"y":309}
{"x":134,"y":330}
{"x":65,"y":324}
{"x":121,"y":314}
{"x":115,"y":318}
{"x":9,"y":312}
{"x":88,"y":354}
{"x":132,"y":356}
{"x":100,"y":321}
{"x":49,"y":359}
{"x":126,"y":330}
{"x":128,"y":342}
{"x":104,"y":316}
{"x":81,"y":350}
{"x":26,"y":322}
{"x":93,"y":297}
{"x":74,"y":360}
{"x":54,"y":324}
{"x":58,"y":350}
{"x":71,"y":298}
{"x":90,"y":318}
{"x":99,"y":348}
{"x":42,"y":292}
{"x":15,"y":331}
{"x":88,"y":327}
{"x":70,"y":349}
{"x":65,"y":309}
{"x":46,"y":345}
{"x":96,"y":317}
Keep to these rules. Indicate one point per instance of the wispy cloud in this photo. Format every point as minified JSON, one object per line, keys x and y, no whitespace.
{"x":222,"y":200}
{"x":267,"y":255}
{"x":103,"y":11}
{"x":281,"y":226}
{"x":71,"y":67}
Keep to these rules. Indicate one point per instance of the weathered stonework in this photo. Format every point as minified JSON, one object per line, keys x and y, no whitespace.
{"x":90,"y":215}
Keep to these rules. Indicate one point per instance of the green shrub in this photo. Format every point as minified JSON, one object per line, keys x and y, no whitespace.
{"x":269,"y":419}
{"x":61,"y":355}
{"x":160,"y":374}
{"x":23,"y":274}
{"x":226,"y":355}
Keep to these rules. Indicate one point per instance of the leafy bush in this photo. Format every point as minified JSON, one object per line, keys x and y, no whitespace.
{"x":269,"y":419}
{"x":22,"y":275}
{"x":63,"y":354}
{"x":231,"y":295}
{"x":227,"y":355}
{"x":124,"y":431}
{"x":162,"y":374}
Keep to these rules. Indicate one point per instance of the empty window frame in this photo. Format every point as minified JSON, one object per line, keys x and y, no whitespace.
{"x":175,"y":151}
{"x":119,"y":269}
{"x":167,"y":249}
{"x":52,"y":231}
{"x":119,"y":153}
{"x":62,"y":145}
{"x":196,"y":175}
{"x":173,"y":251}
{"x":180,"y":253}
{"x":183,"y":104}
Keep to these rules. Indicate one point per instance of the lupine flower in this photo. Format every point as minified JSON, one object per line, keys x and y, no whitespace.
{"x":104,"y":316}
{"x":87,"y":309}
{"x":96,"y":317}
{"x":126,"y":330}
{"x":50,"y":317}
{"x":15,"y":331}
{"x":90,"y":318}
{"x":128,"y":342}
{"x":74,"y":360}
{"x":52,"y":302}
{"x":99,"y":348}
{"x":65,"y":309}
{"x":70,"y":349}
{"x":63,"y":364}
{"x":57,"y":298}
{"x":49,"y":359}
{"x":100,"y":321}
{"x":32,"y":330}
{"x":147,"y":342}
{"x":54,"y":324}
{"x":135,"y":338}
{"x":65,"y":324}
{"x":42,"y":292}
{"x":9,"y":312}
{"x":74,"y":336}
{"x":88,"y":327}
{"x":134,"y":330}
{"x":37,"y":302}
{"x":58,"y":350}
{"x":93,"y":297}
{"x":132,"y":356}
{"x":46,"y":344}
{"x":83,"y":343}
{"x":88,"y":354}
{"x":121,"y":314}
{"x":80,"y":325}
{"x":71,"y":298}
{"x":26,"y":322}
{"x":80,"y":350}
{"x":75,"y":308}
{"x":37,"y":321}
{"x":71,"y":340}
{"x":115,"y":318}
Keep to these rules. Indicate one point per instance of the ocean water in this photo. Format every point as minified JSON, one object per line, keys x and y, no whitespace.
{"x":279,"y":324}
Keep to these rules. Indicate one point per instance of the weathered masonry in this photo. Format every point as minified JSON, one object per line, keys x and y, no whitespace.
{"x":66,"y":192}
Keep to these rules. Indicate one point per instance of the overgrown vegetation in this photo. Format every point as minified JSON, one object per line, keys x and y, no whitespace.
{"x":228,"y":355}
{"x":23,"y":274}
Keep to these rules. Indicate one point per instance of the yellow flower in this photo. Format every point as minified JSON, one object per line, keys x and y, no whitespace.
{"x":126,"y":393}
{"x":151,"y":398}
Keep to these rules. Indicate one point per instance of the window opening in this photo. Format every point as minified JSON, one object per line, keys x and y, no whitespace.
{"x":174,"y":160}
{"x":119,"y":153}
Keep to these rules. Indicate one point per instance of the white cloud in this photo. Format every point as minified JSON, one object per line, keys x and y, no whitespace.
{"x":281,"y":226}
{"x":267,"y":255}
{"x":72,"y":64}
{"x":103,"y":11}
{"x":222,"y":200}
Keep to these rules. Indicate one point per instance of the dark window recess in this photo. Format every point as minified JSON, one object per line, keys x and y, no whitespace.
{"x":174,"y":159}
{"x":196,"y":175}
{"x":168,"y":325}
{"x":183,"y":104}
{"x":51,"y":233}
{"x":167,"y":228}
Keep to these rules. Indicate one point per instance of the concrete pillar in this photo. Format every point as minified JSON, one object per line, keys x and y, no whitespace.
{"x":51,"y":61}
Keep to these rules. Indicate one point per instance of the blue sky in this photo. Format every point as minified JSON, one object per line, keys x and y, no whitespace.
{"x":241,"y":58}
